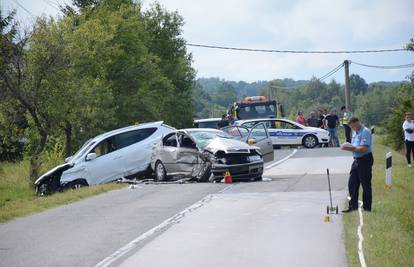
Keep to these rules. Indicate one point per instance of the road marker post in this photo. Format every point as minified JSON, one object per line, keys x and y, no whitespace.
{"x":388,"y":167}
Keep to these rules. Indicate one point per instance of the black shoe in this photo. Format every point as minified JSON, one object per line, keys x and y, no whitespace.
{"x":348,"y":210}
{"x":369,"y":210}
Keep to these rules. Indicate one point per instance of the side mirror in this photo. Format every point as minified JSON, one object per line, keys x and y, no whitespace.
{"x":251,"y":141}
{"x":68,"y":159}
{"x":91,"y":156}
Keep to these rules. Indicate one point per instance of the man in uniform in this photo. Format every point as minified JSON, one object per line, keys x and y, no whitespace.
{"x":408,"y":127}
{"x":345,"y":121}
{"x":361,"y":170}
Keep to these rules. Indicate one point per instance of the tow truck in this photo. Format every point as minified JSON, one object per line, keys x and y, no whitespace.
{"x":255,"y":107}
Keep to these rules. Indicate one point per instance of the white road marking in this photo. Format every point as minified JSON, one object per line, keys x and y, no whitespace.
{"x":361,"y":237}
{"x":282,"y":160}
{"x":162,"y":226}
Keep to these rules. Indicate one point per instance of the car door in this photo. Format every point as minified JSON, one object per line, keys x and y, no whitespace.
{"x":259,"y":136}
{"x":188,"y":154}
{"x":168,"y":152}
{"x":135,"y":147}
{"x":286,"y":133}
{"x":107,"y":166}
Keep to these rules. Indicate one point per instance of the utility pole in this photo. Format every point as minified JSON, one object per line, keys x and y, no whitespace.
{"x":347,"y":88}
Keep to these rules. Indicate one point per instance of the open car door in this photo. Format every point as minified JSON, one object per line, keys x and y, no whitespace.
{"x":257,"y":135}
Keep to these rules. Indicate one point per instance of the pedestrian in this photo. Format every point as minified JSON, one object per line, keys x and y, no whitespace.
{"x":408,"y":127}
{"x":332,"y":122}
{"x":223,"y":122}
{"x":300,"y":118}
{"x":361,"y":170}
{"x":313,"y":121}
{"x":346,"y":115}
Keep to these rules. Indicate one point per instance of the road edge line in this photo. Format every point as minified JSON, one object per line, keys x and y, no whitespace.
{"x":361,"y":237}
{"x":282,"y":160}
{"x":162,"y":226}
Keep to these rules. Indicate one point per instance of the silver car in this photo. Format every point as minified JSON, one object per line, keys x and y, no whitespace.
{"x":205,"y":155}
{"x":120,"y":153}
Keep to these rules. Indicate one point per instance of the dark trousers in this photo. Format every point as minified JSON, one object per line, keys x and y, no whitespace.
{"x":361,"y":174}
{"x":347,"y":133}
{"x":409,"y":148}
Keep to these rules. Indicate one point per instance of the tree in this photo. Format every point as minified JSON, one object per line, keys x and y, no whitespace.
{"x":357,"y":84}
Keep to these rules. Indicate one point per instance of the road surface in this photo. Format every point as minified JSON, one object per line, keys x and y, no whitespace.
{"x":278,"y":222}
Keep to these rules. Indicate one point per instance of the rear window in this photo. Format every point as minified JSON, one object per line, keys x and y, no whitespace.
{"x":129,"y":138}
{"x":207,"y":124}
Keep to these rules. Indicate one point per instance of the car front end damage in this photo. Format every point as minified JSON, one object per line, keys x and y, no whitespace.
{"x":244,"y":162}
{"x":50,"y":182}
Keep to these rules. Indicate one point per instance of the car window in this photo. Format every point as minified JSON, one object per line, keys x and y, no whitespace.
{"x":285,"y":125}
{"x":170,"y":140}
{"x":129,"y":138}
{"x":186,"y":141}
{"x":258,"y":132}
{"x":207,"y":124}
{"x":239,"y":133}
{"x":104,"y":147}
{"x":249,"y":124}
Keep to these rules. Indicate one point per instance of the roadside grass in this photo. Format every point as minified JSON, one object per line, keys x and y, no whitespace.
{"x":18,"y":198}
{"x":389,"y":229}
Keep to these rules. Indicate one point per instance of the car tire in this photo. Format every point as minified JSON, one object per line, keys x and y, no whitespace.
{"x":205,"y":174}
{"x":310,"y":141}
{"x":258,"y":179}
{"x":160,"y":171}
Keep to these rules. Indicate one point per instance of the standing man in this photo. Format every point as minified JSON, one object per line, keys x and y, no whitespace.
{"x":223,"y":122}
{"x":332,"y":122}
{"x":345,"y":122}
{"x":313,"y":121}
{"x":408,"y":127}
{"x":361,"y":170}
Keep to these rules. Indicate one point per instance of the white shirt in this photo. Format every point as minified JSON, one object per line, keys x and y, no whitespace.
{"x":408,"y":125}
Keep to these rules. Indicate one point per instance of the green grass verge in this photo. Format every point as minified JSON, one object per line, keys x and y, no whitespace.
{"x":18,"y":198}
{"x":389,"y":229}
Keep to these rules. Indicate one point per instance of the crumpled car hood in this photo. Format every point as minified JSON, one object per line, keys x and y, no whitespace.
{"x":57,"y":168}
{"x":229,"y":146}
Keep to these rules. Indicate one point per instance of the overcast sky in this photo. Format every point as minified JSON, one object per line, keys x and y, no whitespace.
{"x":284,"y":25}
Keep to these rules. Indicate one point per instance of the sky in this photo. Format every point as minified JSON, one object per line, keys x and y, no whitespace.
{"x":282,"y":25}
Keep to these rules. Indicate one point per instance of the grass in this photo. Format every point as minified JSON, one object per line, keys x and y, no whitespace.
{"x":18,"y":198}
{"x":389,"y":229}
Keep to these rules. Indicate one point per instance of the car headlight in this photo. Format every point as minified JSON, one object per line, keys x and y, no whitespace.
{"x":255,"y":158}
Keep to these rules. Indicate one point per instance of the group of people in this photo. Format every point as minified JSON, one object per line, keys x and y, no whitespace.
{"x":329,"y":121}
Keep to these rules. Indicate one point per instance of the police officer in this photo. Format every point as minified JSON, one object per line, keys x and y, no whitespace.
{"x":361,"y":170}
{"x":345,"y":121}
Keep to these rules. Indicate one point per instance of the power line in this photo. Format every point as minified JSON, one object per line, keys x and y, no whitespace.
{"x":298,"y":51}
{"x":332,"y":72}
{"x":25,"y":9}
{"x":410,"y":65}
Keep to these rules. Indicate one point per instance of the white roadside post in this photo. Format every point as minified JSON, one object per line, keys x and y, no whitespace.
{"x":388,"y":166}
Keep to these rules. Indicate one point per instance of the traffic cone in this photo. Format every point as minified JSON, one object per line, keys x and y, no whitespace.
{"x":227,"y":178}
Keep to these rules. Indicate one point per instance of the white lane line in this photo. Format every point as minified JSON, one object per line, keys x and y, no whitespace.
{"x":361,"y":237}
{"x":162,"y":226}
{"x":282,"y":160}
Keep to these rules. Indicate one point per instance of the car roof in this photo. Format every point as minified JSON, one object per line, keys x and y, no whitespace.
{"x":187,"y":130}
{"x":208,"y":120}
{"x":130,"y":128}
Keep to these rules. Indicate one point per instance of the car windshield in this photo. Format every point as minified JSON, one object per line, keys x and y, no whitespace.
{"x":203,"y":138}
{"x":82,"y":150}
{"x":207,"y":124}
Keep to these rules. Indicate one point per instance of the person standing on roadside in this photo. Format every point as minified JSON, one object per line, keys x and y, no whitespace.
{"x":408,"y":127}
{"x":361,"y":170}
{"x":332,"y":122}
{"x":301,"y":119}
{"x":345,"y":122}
{"x":313,"y":121}
{"x":223,"y":122}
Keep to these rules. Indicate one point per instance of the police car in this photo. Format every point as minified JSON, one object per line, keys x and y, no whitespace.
{"x":287,"y":132}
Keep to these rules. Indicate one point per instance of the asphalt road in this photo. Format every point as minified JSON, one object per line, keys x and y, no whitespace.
{"x":278,"y":222}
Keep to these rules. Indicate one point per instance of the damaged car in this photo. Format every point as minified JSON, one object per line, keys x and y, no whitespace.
{"x":205,"y":155}
{"x":121,"y":153}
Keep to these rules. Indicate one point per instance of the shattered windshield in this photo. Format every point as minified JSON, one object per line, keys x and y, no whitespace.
{"x":202,"y":138}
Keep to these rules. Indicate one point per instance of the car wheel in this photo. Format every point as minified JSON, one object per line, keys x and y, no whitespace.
{"x":258,"y":179}
{"x":310,"y":141}
{"x":160,"y":171}
{"x":205,"y":173}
